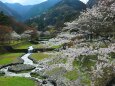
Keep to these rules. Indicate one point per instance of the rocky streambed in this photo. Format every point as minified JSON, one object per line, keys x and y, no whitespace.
{"x":27,"y":69}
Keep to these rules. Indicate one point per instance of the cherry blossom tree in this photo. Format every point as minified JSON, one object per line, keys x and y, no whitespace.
{"x":99,"y":20}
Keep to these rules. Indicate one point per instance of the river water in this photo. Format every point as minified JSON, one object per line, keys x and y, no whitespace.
{"x":28,"y":62}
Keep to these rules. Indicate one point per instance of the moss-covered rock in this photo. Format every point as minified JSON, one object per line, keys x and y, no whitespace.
{"x":20,"y":68}
{"x":2,"y":73}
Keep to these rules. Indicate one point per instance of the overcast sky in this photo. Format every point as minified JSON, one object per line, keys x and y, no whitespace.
{"x":28,"y":2}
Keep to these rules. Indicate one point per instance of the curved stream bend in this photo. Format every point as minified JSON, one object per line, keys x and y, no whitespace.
{"x":28,"y":62}
{"x":25,"y":57}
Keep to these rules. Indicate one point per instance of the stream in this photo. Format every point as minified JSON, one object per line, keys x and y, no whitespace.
{"x":27,"y":61}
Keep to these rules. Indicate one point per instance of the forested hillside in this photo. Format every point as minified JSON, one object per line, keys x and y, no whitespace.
{"x":64,"y":11}
{"x":8,"y":11}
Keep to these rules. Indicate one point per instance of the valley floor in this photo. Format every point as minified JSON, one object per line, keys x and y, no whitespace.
{"x":72,"y":63}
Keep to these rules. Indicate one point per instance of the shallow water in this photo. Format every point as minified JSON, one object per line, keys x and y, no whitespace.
{"x":28,"y":62}
{"x":26,"y":59}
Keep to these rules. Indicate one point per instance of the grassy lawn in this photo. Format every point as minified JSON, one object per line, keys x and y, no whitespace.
{"x":24,"y":46}
{"x":16,"y":81}
{"x":39,"y":46}
{"x":39,"y":56}
{"x":9,"y":58}
{"x":42,"y":46}
{"x":71,"y":75}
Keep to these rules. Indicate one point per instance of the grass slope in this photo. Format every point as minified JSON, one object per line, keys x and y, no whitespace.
{"x":16,"y":81}
{"x":9,"y":58}
{"x":24,"y":46}
{"x":39,"y":56}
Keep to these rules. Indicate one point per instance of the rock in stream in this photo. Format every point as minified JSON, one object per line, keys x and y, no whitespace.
{"x":20,"y":68}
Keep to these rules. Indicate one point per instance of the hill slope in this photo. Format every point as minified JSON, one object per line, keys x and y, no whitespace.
{"x":64,"y":11}
{"x":12,"y":23}
{"x":40,"y":8}
{"x":9,"y":11}
{"x":20,"y":9}
{"x":90,"y":3}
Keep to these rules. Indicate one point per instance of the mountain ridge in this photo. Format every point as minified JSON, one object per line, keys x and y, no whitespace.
{"x":22,"y":9}
{"x":38,"y":9}
{"x":8,"y":11}
{"x":64,"y":11}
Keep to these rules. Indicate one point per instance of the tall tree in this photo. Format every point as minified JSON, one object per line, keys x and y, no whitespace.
{"x":4,"y":20}
{"x":98,"y":20}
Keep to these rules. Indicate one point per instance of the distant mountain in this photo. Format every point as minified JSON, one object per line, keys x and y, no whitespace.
{"x":64,"y":11}
{"x":91,"y":3}
{"x":20,"y":9}
{"x":38,"y":9}
{"x":8,"y":11}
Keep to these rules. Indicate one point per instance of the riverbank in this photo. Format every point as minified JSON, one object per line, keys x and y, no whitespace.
{"x":77,"y":64}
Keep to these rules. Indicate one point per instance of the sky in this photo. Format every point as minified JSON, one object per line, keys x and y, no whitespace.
{"x":29,"y":2}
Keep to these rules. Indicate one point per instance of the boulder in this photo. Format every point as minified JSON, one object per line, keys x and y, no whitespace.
{"x":2,"y":73}
{"x":20,"y":68}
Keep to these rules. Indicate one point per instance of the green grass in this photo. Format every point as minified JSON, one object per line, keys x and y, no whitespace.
{"x":71,"y":75}
{"x":24,"y":46}
{"x":9,"y":58}
{"x":38,"y":46}
{"x":39,"y":56}
{"x":16,"y":81}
